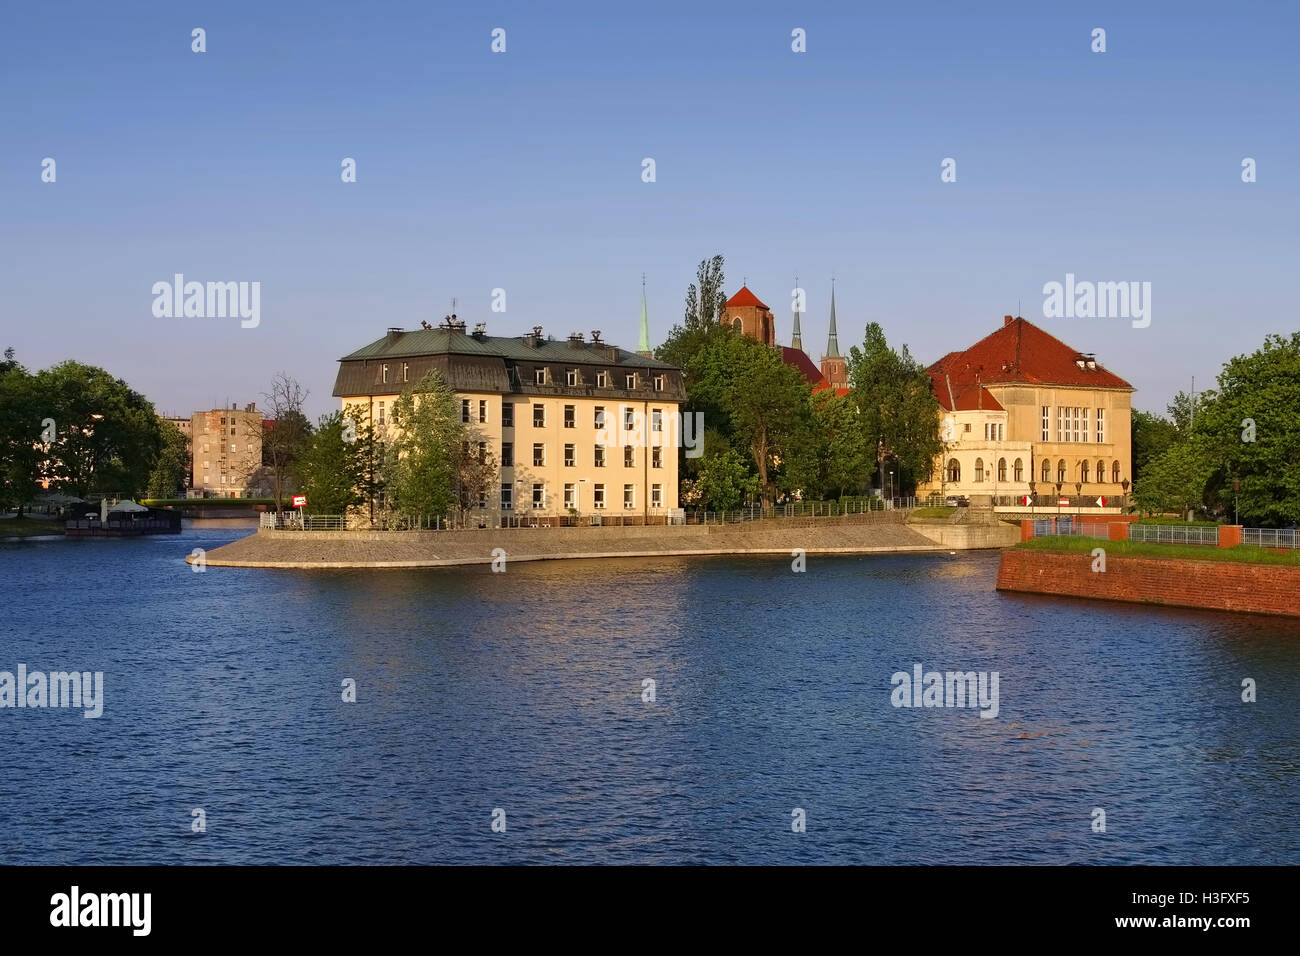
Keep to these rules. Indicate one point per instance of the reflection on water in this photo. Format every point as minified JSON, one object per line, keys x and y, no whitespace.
{"x":523,"y":691}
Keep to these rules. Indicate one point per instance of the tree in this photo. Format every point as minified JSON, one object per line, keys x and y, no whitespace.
{"x":1152,"y":436}
{"x":722,"y":479}
{"x":897,"y":411}
{"x":22,"y":457}
{"x":475,"y":471}
{"x":705,"y":297}
{"x":334,"y":467}
{"x":1175,"y":480}
{"x":767,"y":404}
{"x":835,"y":459}
{"x":419,"y":473}
{"x":168,"y":477}
{"x":107,"y":436}
{"x":283,"y":441}
{"x":1249,"y":430}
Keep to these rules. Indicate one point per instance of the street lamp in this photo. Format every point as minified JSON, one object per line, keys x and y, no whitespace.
{"x":1078,"y":498}
{"x":891,"y":484}
{"x":1236,"y":487}
{"x":1124,"y":484}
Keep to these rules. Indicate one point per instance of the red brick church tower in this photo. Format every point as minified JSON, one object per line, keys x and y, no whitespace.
{"x":833,"y":365}
{"x":745,"y":313}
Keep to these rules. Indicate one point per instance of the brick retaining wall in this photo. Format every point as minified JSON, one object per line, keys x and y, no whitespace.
{"x":1216,"y":585}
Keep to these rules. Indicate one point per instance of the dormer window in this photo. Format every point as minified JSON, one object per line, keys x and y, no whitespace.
{"x":571,"y":377}
{"x":630,"y":379}
{"x":406,"y":369}
{"x":383,"y":374}
{"x":659,"y":383}
{"x":539,"y":376}
{"x":602,"y":380}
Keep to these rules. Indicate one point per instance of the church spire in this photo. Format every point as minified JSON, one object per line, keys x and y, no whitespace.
{"x":832,"y":341}
{"x":643,"y":345}
{"x":796,"y":336}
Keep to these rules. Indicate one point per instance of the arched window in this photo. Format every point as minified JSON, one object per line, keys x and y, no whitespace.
{"x":1047,"y":471}
{"x":954,"y":470}
{"x":735,"y":323}
{"x":1018,"y":469}
{"x":1060,"y":471}
{"x":1085,"y":479}
{"x":979,"y":469}
{"x":1002,"y":469}
{"x":1114,"y":473}
{"x":1101,"y":471}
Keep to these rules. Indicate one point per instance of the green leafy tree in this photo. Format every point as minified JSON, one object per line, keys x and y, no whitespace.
{"x":722,"y":479}
{"x":1176,"y":480}
{"x":835,"y":459}
{"x":767,"y":403}
{"x":1249,"y":429}
{"x":897,"y":411}
{"x":167,"y":479}
{"x":419,"y":468}
{"x":22,"y":457}
{"x":475,"y":471}
{"x":108,"y":436}
{"x":1152,"y":436}
{"x":335,"y":465}
{"x":705,"y":297}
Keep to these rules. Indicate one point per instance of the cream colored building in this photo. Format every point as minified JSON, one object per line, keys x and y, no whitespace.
{"x":225,"y":451}
{"x":1022,"y":414}
{"x":582,"y":430}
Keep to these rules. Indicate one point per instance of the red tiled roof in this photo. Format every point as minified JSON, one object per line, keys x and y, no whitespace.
{"x":745,"y":297}
{"x":1021,"y":352}
{"x":796,"y":358}
{"x":965,"y":397}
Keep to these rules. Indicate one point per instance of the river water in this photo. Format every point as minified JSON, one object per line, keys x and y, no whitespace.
{"x":523,"y":693}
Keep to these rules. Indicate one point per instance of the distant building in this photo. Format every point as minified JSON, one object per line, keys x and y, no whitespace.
{"x":225,"y":451}
{"x":577,"y":426}
{"x":748,"y":315}
{"x":1023,"y":413}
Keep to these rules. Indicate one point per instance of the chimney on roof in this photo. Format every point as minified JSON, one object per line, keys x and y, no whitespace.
{"x":480,"y":330}
{"x":595,"y":336}
{"x":576,"y":341}
{"x":1007,"y":320}
{"x":394,"y":333}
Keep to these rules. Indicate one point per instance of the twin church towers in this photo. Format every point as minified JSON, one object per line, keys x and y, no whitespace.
{"x":747,"y":314}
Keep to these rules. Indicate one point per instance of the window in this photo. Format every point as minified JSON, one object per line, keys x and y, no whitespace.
{"x":1083,"y":425}
{"x":539,"y":454}
{"x":1047,"y":471}
{"x":967,"y":428}
{"x":568,"y":417}
{"x":1047,"y":420}
{"x":629,"y":456}
{"x":232,"y":430}
{"x":482,"y":499}
{"x":735,"y":323}
{"x":233,"y":447}
{"x":1018,"y":470}
{"x":1101,"y":470}
{"x":659,"y":383}
{"x":1083,"y":472}
{"x":205,"y":447}
{"x":598,"y":496}
{"x":482,"y":451}
{"x":381,"y":413}
{"x":602,"y":380}
{"x":539,"y":416}
{"x":568,"y":456}
{"x":629,"y":418}
{"x":507,"y":496}
{"x":571,"y":377}
{"x":539,"y":495}
{"x":207,"y":465}
{"x":383,"y":373}
{"x":1114,"y":473}
{"x":656,"y":457}
{"x":600,"y":416}
{"x":539,"y":376}
{"x":954,"y":470}
{"x":1060,"y":471}
{"x":656,"y":496}
{"x":630,"y":379}
{"x":656,"y":420}
{"x":570,"y":496}
{"x":629,"y":496}
{"x":464,"y":410}
{"x":223,"y":421}
{"x":507,"y":415}
{"x":600,"y":456}
{"x":507,"y":454}
{"x":406,"y":372}
{"x":1101,"y":425}
{"x":1002,"y":469}
{"x":979,"y":469}
{"x":482,"y":411}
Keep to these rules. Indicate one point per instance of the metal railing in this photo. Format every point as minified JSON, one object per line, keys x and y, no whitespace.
{"x":1174,"y":534}
{"x":1270,"y":537}
{"x":1054,"y":527}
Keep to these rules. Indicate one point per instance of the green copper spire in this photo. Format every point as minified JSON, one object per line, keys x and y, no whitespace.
{"x":796,"y":336}
{"x":833,"y":342}
{"x":643,"y":346}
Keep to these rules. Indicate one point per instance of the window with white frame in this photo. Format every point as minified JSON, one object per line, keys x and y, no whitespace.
{"x":602,"y":380}
{"x":482,"y":411}
{"x":539,"y":415}
{"x":629,"y":496}
{"x":598,"y":496}
{"x":568,"y":456}
{"x":539,"y":495}
{"x":539,"y":454}
{"x":659,"y":383}
{"x":629,"y":417}
{"x":507,"y":496}
{"x":630,"y":380}
{"x":570,"y":496}
{"x":1047,"y":421}
{"x":656,"y":496}
{"x":539,"y":376}
{"x":507,"y":415}
{"x":600,"y":416}
{"x":656,"y":457}
{"x":600,"y":456}
{"x":569,"y":420}
{"x":464,"y":410}
{"x":571,"y":377}
{"x":1101,"y":425}
{"x":656,"y":420}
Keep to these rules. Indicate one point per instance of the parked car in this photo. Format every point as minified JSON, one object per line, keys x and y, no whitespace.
{"x":956,"y":501}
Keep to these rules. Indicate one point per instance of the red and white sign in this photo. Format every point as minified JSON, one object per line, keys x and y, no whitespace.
{"x":299,"y":501}
{"x":1062,"y":501}
{"x":1101,"y":502}
{"x":1024,"y":500}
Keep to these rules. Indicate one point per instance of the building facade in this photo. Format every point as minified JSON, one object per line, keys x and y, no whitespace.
{"x":579,"y":427}
{"x":225,"y":451}
{"x":1024,"y":414}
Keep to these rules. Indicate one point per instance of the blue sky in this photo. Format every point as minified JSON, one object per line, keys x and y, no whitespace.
{"x":522,"y":171}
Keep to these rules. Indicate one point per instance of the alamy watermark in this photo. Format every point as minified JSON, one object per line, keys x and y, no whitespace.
{"x":55,"y":689}
{"x":1098,"y":300}
{"x":946,"y":689}
{"x":212,"y":300}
